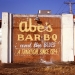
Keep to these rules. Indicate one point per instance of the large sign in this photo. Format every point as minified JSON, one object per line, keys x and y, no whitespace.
{"x":33,"y":41}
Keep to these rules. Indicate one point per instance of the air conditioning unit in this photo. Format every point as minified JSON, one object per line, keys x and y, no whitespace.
{"x":44,"y":12}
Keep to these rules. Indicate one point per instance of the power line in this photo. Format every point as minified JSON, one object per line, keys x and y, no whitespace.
{"x":63,"y":9}
{"x":59,"y":8}
{"x":70,"y":5}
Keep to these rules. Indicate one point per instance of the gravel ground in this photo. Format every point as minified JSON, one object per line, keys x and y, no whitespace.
{"x":38,"y":69}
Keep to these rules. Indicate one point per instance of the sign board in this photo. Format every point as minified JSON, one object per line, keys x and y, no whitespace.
{"x":33,"y":41}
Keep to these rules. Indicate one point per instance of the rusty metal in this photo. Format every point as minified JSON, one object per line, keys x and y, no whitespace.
{"x":74,"y":16}
{"x":54,"y":53}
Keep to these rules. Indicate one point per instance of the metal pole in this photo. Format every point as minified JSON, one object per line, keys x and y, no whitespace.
{"x":70,"y":5}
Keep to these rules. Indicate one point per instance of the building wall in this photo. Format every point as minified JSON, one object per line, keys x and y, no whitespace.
{"x":0,"y":38}
{"x":67,"y":37}
{"x":53,"y":23}
{"x":74,"y":38}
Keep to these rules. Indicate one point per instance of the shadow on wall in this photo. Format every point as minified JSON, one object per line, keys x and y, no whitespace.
{"x":0,"y":23}
{"x":0,"y":31}
{"x":0,"y":37}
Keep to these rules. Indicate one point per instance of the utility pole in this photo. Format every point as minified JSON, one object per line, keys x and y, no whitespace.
{"x":70,"y":5}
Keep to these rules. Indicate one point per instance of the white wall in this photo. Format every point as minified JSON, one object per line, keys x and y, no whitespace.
{"x":67,"y":37}
{"x":0,"y":41}
{"x":6,"y":37}
{"x":4,"y":51}
{"x":74,"y":37}
{"x":0,"y":52}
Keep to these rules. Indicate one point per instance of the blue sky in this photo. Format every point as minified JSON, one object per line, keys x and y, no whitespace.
{"x":32,"y":6}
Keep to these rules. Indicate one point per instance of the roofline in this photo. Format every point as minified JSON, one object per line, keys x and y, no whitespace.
{"x":19,"y":15}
